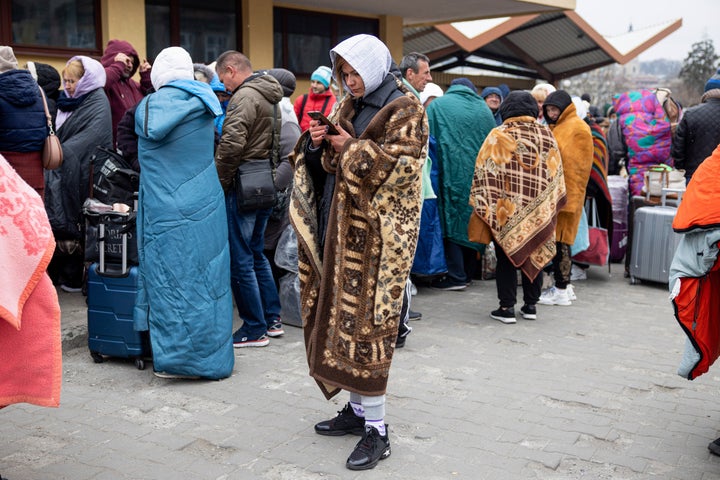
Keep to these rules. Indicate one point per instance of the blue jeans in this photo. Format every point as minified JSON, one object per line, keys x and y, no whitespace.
{"x":251,"y":279}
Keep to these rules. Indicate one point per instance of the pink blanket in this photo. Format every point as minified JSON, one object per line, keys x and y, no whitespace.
{"x":30,"y":343}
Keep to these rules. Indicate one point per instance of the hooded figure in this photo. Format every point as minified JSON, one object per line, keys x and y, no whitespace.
{"x":181,"y":206}
{"x":83,"y":123}
{"x":356,"y":210}
{"x":23,"y":124}
{"x":517,"y":192}
{"x":493,"y":103}
{"x":121,"y":62}
{"x":574,"y":139}
{"x":459,"y":122}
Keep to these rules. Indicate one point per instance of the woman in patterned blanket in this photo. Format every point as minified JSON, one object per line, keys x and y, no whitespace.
{"x":518,"y":190}
{"x":356,"y":209}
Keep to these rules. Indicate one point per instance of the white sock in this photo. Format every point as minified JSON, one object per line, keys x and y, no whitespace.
{"x":379,"y":425}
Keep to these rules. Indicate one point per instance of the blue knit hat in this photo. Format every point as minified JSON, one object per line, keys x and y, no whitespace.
{"x":489,"y":90}
{"x":713,"y":82}
{"x":323,"y":75}
{"x":464,"y":82}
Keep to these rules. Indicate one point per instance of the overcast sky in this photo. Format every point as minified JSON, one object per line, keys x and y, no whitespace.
{"x":701,"y":20}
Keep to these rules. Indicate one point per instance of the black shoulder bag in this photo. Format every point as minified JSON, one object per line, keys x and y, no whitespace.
{"x":255,"y":177}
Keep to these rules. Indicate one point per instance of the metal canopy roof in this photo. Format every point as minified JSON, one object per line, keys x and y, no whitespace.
{"x":427,"y":12}
{"x":550,"y":46}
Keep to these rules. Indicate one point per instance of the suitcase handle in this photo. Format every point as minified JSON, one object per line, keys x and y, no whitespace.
{"x":665,"y":191}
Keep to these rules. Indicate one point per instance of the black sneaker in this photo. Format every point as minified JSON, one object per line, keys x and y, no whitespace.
{"x":529,"y":312}
{"x":400,"y":342}
{"x":505,"y":315}
{"x":714,"y":447}
{"x":372,"y":448}
{"x":447,"y":284}
{"x":345,"y":423}
{"x":413,"y":315}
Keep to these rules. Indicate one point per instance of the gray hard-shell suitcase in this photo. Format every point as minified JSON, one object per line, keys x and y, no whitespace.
{"x":653,"y":243}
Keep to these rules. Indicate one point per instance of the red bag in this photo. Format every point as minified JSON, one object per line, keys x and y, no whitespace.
{"x":598,"y":251}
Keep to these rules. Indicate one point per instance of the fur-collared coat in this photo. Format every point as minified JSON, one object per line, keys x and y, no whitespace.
{"x":351,"y":291}
{"x":574,"y":139}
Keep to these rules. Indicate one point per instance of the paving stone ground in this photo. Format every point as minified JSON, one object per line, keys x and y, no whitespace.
{"x":588,"y":391}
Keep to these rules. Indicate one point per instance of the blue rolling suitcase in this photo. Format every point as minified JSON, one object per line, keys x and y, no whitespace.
{"x":112,"y":289}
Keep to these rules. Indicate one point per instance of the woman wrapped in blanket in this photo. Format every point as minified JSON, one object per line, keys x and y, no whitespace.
{"x":356,"y":209}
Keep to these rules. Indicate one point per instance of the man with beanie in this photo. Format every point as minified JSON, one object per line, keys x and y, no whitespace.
{"x":574,"y":139}
{"x":320,"y":98}
{"x":698,"y":133}
{"x":23,"y":124}
{"x":121,"y":61}
{"x":459,"y":121}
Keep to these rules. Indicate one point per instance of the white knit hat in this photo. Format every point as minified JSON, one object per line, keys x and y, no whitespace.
{"x":431,"y":90}
{"x":173,"y":63}
{"x":7,"y":59}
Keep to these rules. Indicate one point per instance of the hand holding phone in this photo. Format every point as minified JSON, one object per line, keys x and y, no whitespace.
{"x":315,"y":115}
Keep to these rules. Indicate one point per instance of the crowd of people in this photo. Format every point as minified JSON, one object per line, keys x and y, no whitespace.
{"x":413,"y":185}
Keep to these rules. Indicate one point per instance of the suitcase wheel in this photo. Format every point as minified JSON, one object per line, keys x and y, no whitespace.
{"x":97,"y":358}
{"x":140,"y":363}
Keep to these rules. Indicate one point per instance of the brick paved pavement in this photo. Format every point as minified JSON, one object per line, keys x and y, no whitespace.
{"x":585,"y":392}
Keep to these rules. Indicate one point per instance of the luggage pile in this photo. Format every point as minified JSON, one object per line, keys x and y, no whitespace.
{"x":112,"y":251}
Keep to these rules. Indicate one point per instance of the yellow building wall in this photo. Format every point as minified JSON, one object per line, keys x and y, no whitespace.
{"x":124,"y":20}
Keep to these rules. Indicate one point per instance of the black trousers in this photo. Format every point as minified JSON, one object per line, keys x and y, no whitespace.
{"x":506,"y":282}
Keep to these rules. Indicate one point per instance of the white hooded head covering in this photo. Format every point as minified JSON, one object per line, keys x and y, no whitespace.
{"x":7,"y":59}
{"x":173,"y":63}
{"x":368,"y":56}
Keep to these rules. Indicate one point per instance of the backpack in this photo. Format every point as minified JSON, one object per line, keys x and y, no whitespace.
{"x":302,"y":106}
{"x":672,"y":108}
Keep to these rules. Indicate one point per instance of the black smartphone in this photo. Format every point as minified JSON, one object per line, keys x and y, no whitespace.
{"x":315,"y":115}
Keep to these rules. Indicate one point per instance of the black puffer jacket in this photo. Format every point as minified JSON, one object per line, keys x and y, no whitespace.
{"x":698,"y":134}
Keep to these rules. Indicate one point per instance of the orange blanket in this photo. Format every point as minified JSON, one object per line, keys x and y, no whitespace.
{"x":30,"y":343}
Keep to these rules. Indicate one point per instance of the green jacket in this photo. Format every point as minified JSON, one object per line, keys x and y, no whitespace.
{"x":459,"y":120}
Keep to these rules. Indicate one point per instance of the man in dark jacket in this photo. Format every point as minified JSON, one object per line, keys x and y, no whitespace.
{"x":698,"y":133}
{"x":248,"y":134}
{"x":121,"y":61}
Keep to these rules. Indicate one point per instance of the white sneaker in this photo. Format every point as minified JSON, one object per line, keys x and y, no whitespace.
{"x":571,"y":292}
{"x":577,"y":273}
{"x":555,"y":296}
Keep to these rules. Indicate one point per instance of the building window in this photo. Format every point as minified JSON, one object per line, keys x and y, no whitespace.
{"x":205,"y":28}
{"x":303,"y":39}
{"x":42,"y":26}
